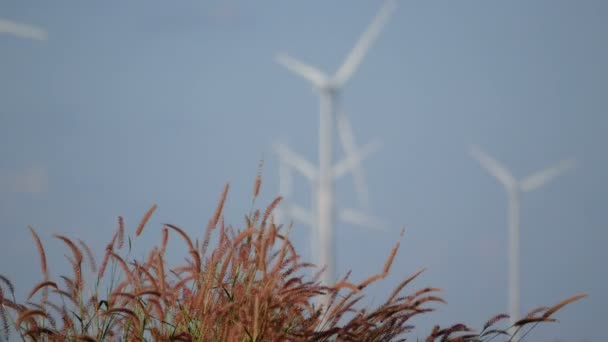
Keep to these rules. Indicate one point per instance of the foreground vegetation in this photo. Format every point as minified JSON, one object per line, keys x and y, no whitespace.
{"x":251,"y":286}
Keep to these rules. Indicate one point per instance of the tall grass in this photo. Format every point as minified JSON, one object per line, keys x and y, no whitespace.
{"x":251,"y":286}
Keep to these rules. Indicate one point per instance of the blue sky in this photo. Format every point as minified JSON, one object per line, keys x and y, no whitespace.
{"x":129,"y":104}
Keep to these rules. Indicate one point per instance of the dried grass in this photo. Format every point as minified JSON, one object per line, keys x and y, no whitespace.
{"x":141,"y":226}
{"x":40,"y":248}
{"x":252,"y":286}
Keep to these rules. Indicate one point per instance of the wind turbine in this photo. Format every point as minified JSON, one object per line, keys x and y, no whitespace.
{"x":328,"y":88}
{"x":514,"y":190}
{"x":22,"y":30}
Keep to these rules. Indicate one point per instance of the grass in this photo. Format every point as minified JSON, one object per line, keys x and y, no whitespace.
{"x":251,"y":286}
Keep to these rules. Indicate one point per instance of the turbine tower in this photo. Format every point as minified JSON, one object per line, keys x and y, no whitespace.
{"x":22,"y":30}
{"x":514,"y":190}
{"x":328,"y":88}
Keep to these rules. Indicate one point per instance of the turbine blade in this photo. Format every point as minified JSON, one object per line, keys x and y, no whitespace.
{"x":278,"y":215}
{"x":285,"y":179}
{"x":346,"y":134}
{"x":355,"y":57}
{"x":310,"y":73}
{"x":300,"y":214}
{"x":22,"y":30}
{"x":350,"y":162}
{"x":540,"y":178}
{"x":359,"y":219}
{"x":494,"y":167}
{"x":347,"y":138}
{"x":294,"y":160}
{"x":286,"y":212}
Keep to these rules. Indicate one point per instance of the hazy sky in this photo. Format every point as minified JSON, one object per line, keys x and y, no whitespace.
{"x":132,"y":103}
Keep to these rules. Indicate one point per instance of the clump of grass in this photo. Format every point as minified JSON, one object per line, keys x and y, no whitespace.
{"x":251,"y":286}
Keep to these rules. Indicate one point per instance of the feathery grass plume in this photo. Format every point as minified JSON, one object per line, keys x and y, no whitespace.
{"x":43,"y":263}
{"x":164,"y":240}
{"x":537,"y":311}
{"x":160,"y":271}
{"x":75,"y":250}
{"x":8,"y":284}
{"x":104,"y":262}
{"x":125,"y":268}
{"x":220,"y":207}
{"x":4,"y":331}
{"x":254,"y":219}
{"x":42,"y":284}
{"x":403,"y":284}
{"x":124,"y":312}
{"x":40,"y":247}
{"x":391,"y":257}
{"x":258,"y":180}
{"x":214,"y":219}
{"x":109,"y":249}
{"x":387,"y":265}
{"x":252,"y":285}
{"x":270,"y":209}
{"x":563,"y":303}
{"x":144,"y":220}
{"x":38,"y":331}
{"x":76,"y":263}
{"x":493,"y":321}
{"x":70,"y":294}
{"x":89,"y":253}
{"x":28,"y":316}
{"x":546,"y":315}
{"x":528,"y":320}
{"x":148,"y":276}
{"x":182,"y":234}
{"x":121,"y":230}
{"x":3,"y":317}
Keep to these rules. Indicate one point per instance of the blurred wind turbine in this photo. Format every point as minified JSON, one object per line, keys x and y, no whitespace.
{"x":22,"y":30}
{"x":328,"y":87}
{"x":514,"y":189}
